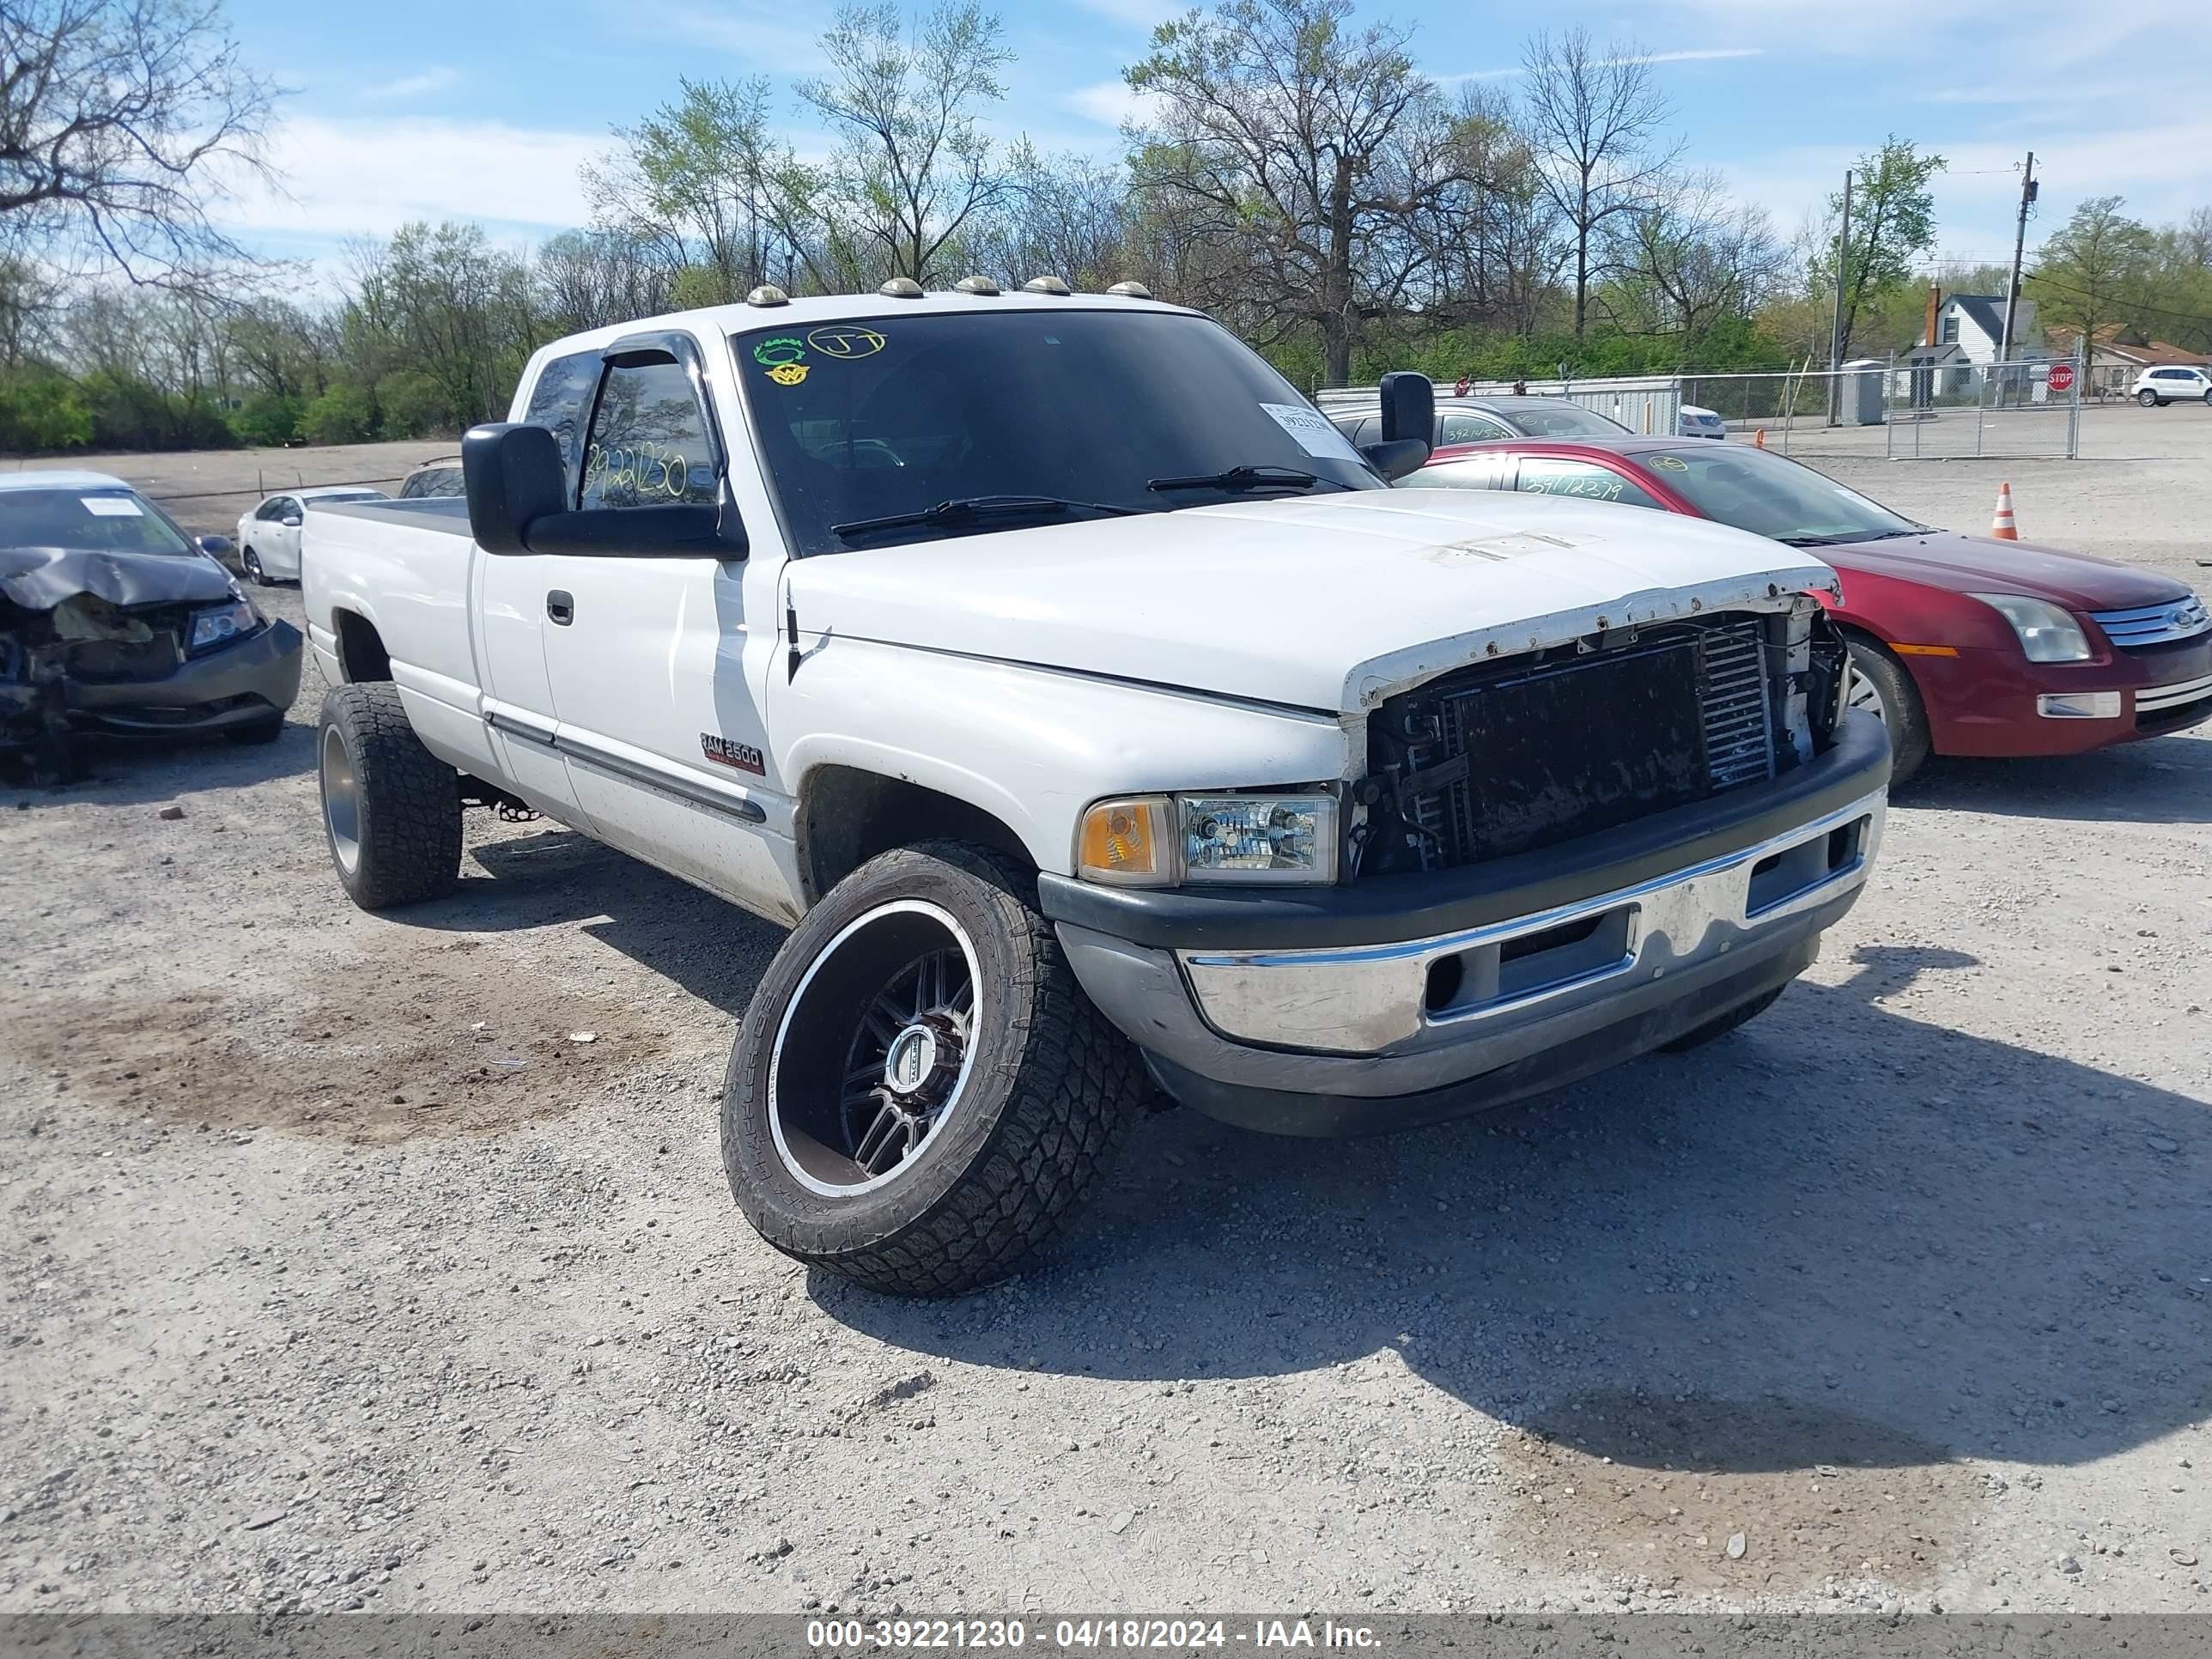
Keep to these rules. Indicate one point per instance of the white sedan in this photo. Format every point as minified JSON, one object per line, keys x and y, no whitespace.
{"x":269,"y":536}
{"x":1702,"y":422}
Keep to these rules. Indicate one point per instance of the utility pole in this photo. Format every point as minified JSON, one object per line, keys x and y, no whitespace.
{"x":2019,"y":243}
{"x":1835,"y":328}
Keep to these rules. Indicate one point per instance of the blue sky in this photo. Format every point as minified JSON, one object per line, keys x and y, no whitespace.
{"x":409,"y":109}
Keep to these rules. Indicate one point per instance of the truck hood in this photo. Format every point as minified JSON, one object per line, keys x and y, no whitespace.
{"x":1327,"y":602}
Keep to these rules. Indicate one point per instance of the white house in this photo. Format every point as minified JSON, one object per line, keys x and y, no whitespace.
{"x":1968,"y":330}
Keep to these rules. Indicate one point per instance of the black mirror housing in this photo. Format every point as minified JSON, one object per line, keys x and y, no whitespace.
{"x":215,"y":546}
{"x":1409,"y":408}
{"x":512,"y":475}
{"x":1396,"y":457}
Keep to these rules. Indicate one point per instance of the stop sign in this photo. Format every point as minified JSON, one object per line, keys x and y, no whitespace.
{"x":2062,"y":376}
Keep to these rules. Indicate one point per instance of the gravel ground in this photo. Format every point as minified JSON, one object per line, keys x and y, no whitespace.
{"x":343,"y":1275}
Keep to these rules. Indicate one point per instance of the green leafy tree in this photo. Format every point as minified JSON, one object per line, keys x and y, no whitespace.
{"x":410,"y":404}
{"x":2093,"y":271}
{"x":268,"y":418}
{"x":40,"y":412}
{"x":343,"y":415}
{"x":1893,"y":224}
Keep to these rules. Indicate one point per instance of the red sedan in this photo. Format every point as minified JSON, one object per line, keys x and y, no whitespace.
{"x":1964,"y":645}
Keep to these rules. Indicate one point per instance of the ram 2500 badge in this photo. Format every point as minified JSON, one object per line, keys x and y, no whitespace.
{"x":1101,"y":725}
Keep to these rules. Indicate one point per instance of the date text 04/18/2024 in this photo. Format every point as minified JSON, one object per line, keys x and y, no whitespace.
{"x":1079,"y":1635}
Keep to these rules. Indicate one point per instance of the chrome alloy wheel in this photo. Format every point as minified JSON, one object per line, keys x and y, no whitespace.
{"x":872,"y":1056}
{"x":341,"y":800}
{"x":1860,"y":692}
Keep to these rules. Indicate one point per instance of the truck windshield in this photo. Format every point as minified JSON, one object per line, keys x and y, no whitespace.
{"x":98,"y":519}
{"x":1756,"y":490}
{"x":863,"y":420}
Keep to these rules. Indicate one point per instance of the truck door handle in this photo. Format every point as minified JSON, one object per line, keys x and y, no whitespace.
{"x":561,"y":606}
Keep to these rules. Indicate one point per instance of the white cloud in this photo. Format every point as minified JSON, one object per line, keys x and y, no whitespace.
{"x":345,"y":177}
{"x":1693,"y":55}
{"x":1110,"y":103}
{"x":437,"y":78}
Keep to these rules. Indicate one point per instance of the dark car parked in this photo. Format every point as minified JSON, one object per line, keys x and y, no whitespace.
{"x":1473,"y":419}
{"x":114,"y":619}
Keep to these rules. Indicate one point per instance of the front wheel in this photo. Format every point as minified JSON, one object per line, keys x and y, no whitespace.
{"x":920,"y":1097}
{"x":1879,"y":683}
{"x":254,"y":573}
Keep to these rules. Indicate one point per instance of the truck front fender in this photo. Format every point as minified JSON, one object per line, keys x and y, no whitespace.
{"x":1029,"y":747}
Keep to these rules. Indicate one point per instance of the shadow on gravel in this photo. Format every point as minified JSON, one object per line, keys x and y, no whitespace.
{"x":1839,"y":1237}
{"x":2158,"y":781}
{"x":555,"y":878}
{"x":127,"y":771}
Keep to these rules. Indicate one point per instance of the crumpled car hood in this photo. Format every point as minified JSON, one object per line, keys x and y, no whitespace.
{"x":40,"y":578}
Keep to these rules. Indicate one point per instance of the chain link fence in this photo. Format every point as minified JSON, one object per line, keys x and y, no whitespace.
{"x":1902,"y":410}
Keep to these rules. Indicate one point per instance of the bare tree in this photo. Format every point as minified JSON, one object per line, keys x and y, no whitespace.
{"x":122,"y":122}
{"x":1069,"y":217}
{"x":1596,"y":115}
{"x":913,"y":166}
{"x":1690,"y":258}
{"x":1308,"y":149}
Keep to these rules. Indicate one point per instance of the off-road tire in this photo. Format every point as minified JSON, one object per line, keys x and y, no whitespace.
{"x":1698,"y":1035}
{"x":1902,"y":711}
{"x":1051,"y":1096}
{"x":254,"y":573}
{"x":409,"y":819}
{"x":266,"y":729}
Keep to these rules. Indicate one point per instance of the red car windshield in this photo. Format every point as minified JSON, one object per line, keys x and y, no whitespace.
{"x":1769,"y":496}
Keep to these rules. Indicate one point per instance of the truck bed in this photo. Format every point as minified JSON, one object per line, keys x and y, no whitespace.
{"x":406,"y":569}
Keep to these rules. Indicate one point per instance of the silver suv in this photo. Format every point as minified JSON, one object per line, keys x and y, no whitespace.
{"x":2155,"y":388}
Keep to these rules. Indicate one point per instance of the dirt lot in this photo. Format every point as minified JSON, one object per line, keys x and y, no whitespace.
{"x":341,"y":1275}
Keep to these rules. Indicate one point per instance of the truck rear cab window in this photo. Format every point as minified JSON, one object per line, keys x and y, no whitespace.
{"x":648,"y":445}
{"x":560,"y":402}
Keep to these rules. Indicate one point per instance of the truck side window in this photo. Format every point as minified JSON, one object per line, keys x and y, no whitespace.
{"x":648,"y":445}
{"x":1584,"y":480}
{"x":558,"y":403}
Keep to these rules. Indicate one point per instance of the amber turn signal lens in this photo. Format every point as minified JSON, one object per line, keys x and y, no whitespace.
{"x":1125,"y":843}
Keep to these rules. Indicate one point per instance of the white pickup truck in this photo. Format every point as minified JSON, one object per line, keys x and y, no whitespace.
{"x":1102,"y":727}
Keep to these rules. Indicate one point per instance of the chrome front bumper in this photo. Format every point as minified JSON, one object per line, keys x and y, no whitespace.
{"x":1456,"y":989}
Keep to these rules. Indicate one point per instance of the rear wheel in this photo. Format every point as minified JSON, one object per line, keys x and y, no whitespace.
{"x":392,"y":810}
{"x":921,"y":1097}
{"x":1879,"y":683}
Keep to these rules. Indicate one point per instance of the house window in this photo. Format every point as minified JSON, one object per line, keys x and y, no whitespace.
{"x":1950,"y":334}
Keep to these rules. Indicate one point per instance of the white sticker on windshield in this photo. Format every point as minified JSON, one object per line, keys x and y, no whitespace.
{"x":1312,"y":430}
{"x":111,"y":506}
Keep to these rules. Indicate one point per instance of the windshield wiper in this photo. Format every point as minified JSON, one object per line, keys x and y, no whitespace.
{"x":965,"y":508}
{"x":1244,"y":477}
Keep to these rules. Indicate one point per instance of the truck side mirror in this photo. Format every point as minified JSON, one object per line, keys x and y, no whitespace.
{"x":1409,"y":425}
{"x":514,"y":474}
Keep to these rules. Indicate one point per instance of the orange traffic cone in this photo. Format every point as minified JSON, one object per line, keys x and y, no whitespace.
{"x":1759,"y":439}
{"x":2003,"y":528}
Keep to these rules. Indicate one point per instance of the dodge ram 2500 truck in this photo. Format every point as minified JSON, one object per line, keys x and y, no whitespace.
{"x":1101,"y":725}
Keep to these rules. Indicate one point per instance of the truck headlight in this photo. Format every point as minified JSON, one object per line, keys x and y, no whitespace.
{"x":1162,"y":841}
{"x":2047,"y":632}
{"x":219,"y":624}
